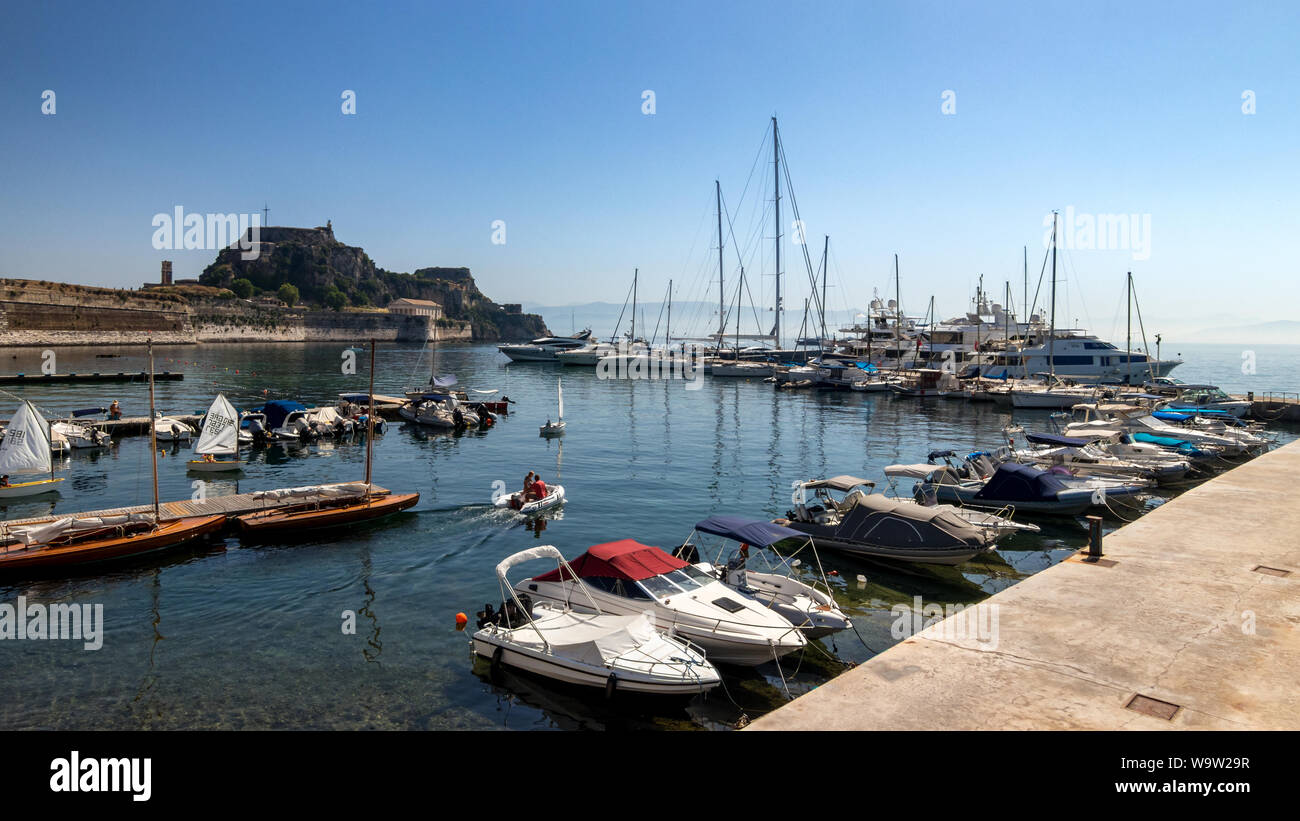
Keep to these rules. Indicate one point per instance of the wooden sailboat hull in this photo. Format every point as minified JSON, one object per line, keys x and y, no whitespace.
{"x":108,"y":548}
{"x":21,"y":489}
{"x":284,"y":521}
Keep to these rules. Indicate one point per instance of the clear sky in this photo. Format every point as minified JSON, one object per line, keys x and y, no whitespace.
{"x":531,"y":113}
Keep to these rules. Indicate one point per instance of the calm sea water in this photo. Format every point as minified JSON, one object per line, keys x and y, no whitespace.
{"x":235,"y":635}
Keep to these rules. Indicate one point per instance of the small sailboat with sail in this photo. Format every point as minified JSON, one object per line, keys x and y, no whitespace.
{"x":219,"y":437}
{"x":26,"y":448}
{"x":556,"y":428}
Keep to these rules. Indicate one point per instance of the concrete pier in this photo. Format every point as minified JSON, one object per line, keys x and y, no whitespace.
{"x":1190,"y":621}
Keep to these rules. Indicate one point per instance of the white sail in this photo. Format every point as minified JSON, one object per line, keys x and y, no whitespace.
{"x":220,"y":435}
{"x":26,"y":443}
{"x":560,"y":387}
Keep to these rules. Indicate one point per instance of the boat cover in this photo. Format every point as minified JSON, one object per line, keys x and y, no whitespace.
{"x":1014,"y":482}
{"x":747,"y":530}
{"x":587,"y":638}
{"x":277,"y":410}
{"x":77,"y":414}
{"x":1053,"y":439}
{"x":328,"y":491}
{"x":842,"y":482}
{"x":626,"y":559}
{"x":46,"y":532}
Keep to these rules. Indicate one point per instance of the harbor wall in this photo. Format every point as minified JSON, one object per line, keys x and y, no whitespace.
{"x":52,"y":314}
{"x":1189,"y":621}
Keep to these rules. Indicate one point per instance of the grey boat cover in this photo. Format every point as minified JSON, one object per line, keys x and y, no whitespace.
{"x":1013,"y":482}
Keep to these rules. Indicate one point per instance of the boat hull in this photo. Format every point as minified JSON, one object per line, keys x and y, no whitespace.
{"x":21,"y":489}
{"x":280,"y":521}
{"x":94,"y":551}
{"x":200,"y":466}
{"x":571,"y":671}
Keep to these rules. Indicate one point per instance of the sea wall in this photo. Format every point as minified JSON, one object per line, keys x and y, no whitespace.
{"x":51,"y":314}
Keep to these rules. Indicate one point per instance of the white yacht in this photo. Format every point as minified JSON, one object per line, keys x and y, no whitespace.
{"x":1081,"y":357}
{"x":544,"y":349}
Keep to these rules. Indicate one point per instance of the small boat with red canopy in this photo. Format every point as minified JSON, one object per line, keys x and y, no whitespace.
{"x":627,"y":577}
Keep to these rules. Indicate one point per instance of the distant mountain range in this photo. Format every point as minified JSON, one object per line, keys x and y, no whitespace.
{"x":1279,"y":332}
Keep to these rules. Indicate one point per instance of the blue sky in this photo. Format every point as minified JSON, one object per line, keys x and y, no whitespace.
{"x":531,"y":113}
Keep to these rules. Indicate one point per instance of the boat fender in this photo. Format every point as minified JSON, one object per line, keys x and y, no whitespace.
{"x":495,"y":665}
{"x":611,"y":684}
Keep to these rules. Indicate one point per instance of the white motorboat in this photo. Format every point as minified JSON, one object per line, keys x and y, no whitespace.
{"x":26,"y":448}
{"x":545,"y":348}
{"x":999,"y":523}
{"x":588,"y":355}
{"x":807,"y":606}
{"x":167,"y":429}
{"x":515,"y":501}
{"x":80,"y":437}
{"x":732,"y":369}
{"x":219,"y":437}
{"x":443,"y":412}
{"x":617,"y":652}
{"x":627,"y":577}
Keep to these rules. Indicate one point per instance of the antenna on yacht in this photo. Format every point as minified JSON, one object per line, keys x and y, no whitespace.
{"x":370,"y":418}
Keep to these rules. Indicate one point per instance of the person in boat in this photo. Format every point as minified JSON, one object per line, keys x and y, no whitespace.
{"x":4,"y":480}
{"x":522,"y":496}
{"x":114,"y":410}
{"x":208,"y":457}
{"x":539,"y":488}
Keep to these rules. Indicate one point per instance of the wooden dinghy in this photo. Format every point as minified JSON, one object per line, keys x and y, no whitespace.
{"x":342,"y":509}
{"x":68,"y":543}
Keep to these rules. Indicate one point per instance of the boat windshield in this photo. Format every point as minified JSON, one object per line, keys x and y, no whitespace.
{"x":698,"y":575}
{"x":660,"y":587}
{"x":683,"y":580}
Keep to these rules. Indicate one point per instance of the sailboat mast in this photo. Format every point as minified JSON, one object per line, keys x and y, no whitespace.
{"x":776,"y":179}
{"x":635,"y":271}
{"x":826,"y":247}
{"x":1051,"y":333}
{"x":722,"y":313}
{"x":153,"y":438}
{"x":1128,"y":337}
{"x":898,"y":318}
{"x":668,"y":331}
{"x":370,"y":417}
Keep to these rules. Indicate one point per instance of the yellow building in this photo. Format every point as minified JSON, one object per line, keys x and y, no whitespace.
{"x":415,"y":307}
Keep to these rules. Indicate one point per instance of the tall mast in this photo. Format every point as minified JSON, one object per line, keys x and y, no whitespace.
{"x":722,"y":313}
{"x":153,"y":437}
{"x":370,"y":417}
{"x":1051,"y":333}
{"x":826,"y":247}
{"x":1128,"y":337}
{"x":898,"y":317}
{"x":635,"y":271}
{"x":1025,"y":305}
{"x":668,"y":331}
{"x":776,"y":179}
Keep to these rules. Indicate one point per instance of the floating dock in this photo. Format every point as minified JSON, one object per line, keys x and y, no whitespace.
{"x":1189,"y":621}
{"x":56,"y":378}
{"x":233,"y":505}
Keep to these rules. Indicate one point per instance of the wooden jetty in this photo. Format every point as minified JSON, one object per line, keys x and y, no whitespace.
{"x":64,"y":378}
{"x":230,"y":506}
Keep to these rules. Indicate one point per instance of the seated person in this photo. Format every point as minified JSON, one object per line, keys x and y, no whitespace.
{"x":114,"y":410}
{"x":4,"y":480}
{"x":539,"y":489}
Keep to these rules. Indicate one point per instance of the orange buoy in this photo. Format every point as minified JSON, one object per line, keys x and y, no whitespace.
{"x":461,"y":621}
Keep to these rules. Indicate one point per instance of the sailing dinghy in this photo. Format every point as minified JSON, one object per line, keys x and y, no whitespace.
{"x":556,"y":428}
{"x":600,"y":649}
{"x":25,"y":448}
{"x":219,"y":437}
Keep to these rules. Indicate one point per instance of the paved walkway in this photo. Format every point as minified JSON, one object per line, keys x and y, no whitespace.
{"x":1198,"y":617}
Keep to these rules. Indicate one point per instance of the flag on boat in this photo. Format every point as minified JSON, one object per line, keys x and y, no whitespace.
{"x":26,"y":443}
{"x":220,"y":435}
{"x":444,"y":381}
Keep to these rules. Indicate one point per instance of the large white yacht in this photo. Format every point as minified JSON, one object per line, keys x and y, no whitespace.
{"x":545,"y":348}
{"x":1081,"y":357}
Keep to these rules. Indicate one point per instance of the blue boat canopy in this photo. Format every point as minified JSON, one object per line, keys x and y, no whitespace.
{"x":278,"y":409}
{"x":1014,"y":482}
{"x":749,"y":531}
{"x":77,"y":414}
{"x":1053,"y":439}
